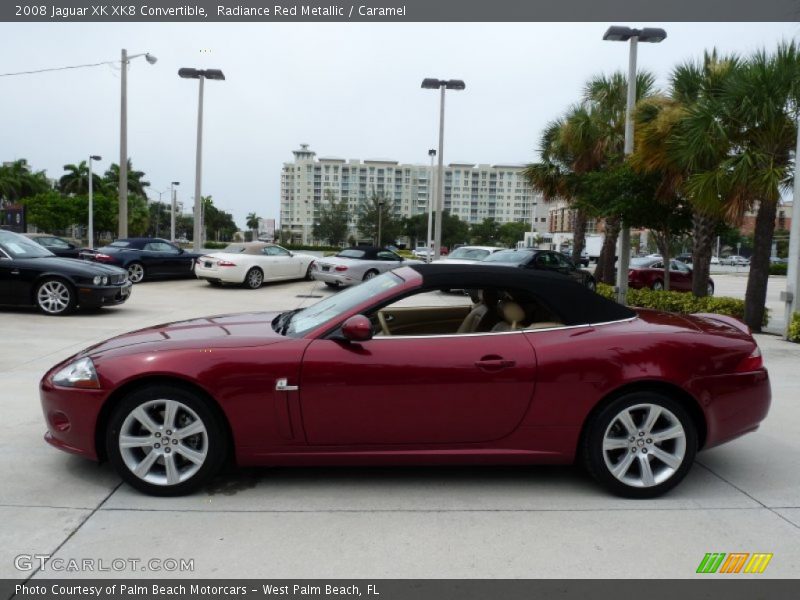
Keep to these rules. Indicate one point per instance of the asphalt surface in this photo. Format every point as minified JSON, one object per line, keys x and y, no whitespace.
{"x":373,"y":523}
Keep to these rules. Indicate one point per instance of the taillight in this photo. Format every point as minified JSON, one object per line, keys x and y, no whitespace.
{"x":754,"y":362}
{"x":340,"y":268}
{"x":631,"y":274}
{"x":226,"y":263}
{"x":103,"y":257}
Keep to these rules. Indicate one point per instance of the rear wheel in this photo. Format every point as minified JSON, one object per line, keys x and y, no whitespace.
{"x":710,"y":289}
{"x":135,"y":272}
{"x":641,"y":445}
{"x":254,"y":278}
{"x":55,"y":297}
{"x":657,"y":285}
{"x":370,"y":274}
{"x":165,"y":441}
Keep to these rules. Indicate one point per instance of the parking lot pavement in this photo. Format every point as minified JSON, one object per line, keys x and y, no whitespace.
{"x":409,"y":522}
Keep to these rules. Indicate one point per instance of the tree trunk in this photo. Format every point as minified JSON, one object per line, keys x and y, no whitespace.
{"x":579,"y":236}
{"x":756,"y":293}
{"x":605,"y":262}
{"x":662,"y":242}
{"x":703,"y":228}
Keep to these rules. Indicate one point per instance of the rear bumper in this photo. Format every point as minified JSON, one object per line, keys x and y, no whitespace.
{"x":333,"y":277}
{"x":733,"y":404}
{"x":221,"y":274}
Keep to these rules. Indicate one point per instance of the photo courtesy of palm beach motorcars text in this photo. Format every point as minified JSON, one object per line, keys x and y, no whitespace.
{"x":399,"y":299}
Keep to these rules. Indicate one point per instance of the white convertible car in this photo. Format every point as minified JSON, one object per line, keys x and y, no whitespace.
{"x":251,"y":264}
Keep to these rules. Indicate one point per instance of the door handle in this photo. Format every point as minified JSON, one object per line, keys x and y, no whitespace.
{"x":15,"y":272}
{"x":281,"y":386}
{"x":494,"y":364}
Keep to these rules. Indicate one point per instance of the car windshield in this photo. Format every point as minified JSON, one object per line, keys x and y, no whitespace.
{"x":469,"y":253}
{"x":507,"y":256}
{"x":353,"y":253}
{"x":329,"y":308}
{"x":17,"y":246}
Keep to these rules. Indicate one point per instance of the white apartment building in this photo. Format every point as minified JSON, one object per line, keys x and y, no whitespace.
{"x":471,"y":192}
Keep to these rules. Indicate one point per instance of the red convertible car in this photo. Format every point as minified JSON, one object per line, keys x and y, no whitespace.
{"x":649,"y":273}
{"x":538,"y":370}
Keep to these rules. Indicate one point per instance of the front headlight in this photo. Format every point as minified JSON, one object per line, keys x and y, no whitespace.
{"x":100,"y":280}
{"x":78,"y":374}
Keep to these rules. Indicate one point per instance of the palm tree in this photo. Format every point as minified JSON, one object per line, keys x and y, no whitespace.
{"x":17,"y":181}
{"x":252,"y":224}
{"x":136,"y":182}
{"x":76,"y":180}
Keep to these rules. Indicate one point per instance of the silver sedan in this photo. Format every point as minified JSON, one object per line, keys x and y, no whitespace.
{"x":354,"y":265}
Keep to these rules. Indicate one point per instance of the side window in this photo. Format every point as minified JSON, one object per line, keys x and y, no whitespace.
{"x":678,"y":266}
{"x":151,"y":247}
{"x":278,"y":251}
{"x":658,"y":265}
{"x":169,"y":248}
{"x":385,"y":255}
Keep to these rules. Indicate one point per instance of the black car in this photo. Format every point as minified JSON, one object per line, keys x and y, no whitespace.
{"x":542,"y":260}
{"x":584,"y":260}
{"x":31,"y":275}
{"x":56,"y":245}
{"x":150,"y":258}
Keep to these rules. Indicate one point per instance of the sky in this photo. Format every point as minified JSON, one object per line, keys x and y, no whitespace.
{"x":349,"y":90}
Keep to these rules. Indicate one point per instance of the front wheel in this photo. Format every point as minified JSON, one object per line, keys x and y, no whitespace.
{"x":254,"y":278}
{"x":658,"y":285}
{"x":165,"y":441}
{"x":641,"y":445}
{"x":309,"y":272}
{"x":55,"y":297}
{"x":135,"y":272}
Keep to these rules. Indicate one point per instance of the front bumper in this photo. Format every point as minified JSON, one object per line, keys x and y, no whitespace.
{"x":71,"y":416}
{"x":90,"y":296}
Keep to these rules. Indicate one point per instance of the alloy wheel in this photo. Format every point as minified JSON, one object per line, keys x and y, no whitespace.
{"x":644,"y":445}
{"x":254,"y":278}
{"x":54,"y":297}
{"x":135,"y":272}
{"x":163,"y":442}
{"x":369,"y":275}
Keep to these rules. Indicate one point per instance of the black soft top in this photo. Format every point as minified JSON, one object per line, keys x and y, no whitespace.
{"x":573,"y":302}
{"x":370,"y":252}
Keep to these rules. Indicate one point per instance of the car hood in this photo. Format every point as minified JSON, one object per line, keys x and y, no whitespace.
{"x":74,"y":266}
{"x":222,"y":331}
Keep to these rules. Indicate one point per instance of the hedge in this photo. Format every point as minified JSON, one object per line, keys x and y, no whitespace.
{"x":681,"y":302}
{"x":794,"y":328}
{"x":778,"y":268}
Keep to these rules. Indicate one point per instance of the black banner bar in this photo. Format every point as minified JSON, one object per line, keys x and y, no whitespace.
{"x":277,"y":11}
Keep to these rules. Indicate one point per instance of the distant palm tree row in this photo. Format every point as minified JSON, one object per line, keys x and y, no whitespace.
{"x":718,"y":141}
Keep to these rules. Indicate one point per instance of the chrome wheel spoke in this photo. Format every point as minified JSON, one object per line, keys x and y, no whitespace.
{"x":671,"y":433}
{"x":672,"y":461}
{"x":143,"y":468}
{"x":135,"y":441}
{"x":191,"y":429}
{"x":627,"y":421}
{"x":140,"y":414}
{"x":173,"y":476}
{"x":652,"y":417}
{"x":648,"y":479}
{"x":615,"y":443}
{"x":192,"y":455}
{"x":622,"y":467}
{"x":170,"y":410}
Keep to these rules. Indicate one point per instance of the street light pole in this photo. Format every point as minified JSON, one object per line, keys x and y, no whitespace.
{"x":431,"y":178}
{"x":380,"y":221}
{"x":789,"y":296}
{"x":173,"y":204}
{"x":123,"y":137}
{"x":634,"y":36}
{"x":91,"y":201}
{"x":202,"y":75}
{"x":441,"y":85}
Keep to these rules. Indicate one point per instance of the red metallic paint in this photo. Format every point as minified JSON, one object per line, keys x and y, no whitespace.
{"x":425,"y":400}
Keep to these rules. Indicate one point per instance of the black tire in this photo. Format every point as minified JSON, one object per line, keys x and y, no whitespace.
{"x":309,"y":272}
{"x":55,"y":296}
{"x":213,"y":442}
{"x":254,"y":278}
{"x":657,"y":285}
{"x":331,"y":284}
{"x":136,"y":272}
{"x":599,"y":461}
{"x":710,"y":289}
{"x":370,"y":274}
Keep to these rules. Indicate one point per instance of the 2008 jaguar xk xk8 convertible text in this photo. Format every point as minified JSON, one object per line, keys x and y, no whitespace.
{"x":539,"y":369}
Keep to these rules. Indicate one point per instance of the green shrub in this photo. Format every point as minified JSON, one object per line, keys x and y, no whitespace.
{"x":216,"y":245}
{"x":681,"y":302}
{"x":778,"y":269}
{"x":794,"y":328}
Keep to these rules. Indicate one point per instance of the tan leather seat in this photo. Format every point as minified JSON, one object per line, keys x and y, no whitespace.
{"x":513,"y":316}
{"x":483,"y":314}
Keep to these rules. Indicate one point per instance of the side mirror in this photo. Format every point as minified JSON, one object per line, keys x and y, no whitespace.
{"x":357,"y":329}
